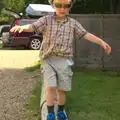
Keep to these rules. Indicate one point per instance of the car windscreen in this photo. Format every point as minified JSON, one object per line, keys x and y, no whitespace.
{"x":25,"y":22}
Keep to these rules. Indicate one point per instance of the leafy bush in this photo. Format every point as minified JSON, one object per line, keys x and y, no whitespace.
{"x":4,"y":19}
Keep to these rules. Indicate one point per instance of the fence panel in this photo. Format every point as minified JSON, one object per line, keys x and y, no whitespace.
{"x":111,"y":29}
{"x":113,"y":60}
{"x":90,"y":55}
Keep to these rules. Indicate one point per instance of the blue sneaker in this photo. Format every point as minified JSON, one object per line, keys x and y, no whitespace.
{"x":61,"y":116}
{"x":51,"y":116}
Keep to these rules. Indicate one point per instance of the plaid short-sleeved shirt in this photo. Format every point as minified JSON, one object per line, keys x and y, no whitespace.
{"x":57,"y":35}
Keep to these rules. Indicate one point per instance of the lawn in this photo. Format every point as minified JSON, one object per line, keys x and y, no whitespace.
{"x":95,"y":95}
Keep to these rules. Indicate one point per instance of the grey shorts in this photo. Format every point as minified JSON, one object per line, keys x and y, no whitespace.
{"x":57,"y":72}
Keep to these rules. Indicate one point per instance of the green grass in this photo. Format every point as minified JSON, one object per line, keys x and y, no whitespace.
{"x":31,"y":109}
{"x":33,"y":68}
{"x":95,"y":95}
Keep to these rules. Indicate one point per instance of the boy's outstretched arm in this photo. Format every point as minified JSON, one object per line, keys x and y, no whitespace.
{"x":92,"y":38}
{"x":24,"y":28}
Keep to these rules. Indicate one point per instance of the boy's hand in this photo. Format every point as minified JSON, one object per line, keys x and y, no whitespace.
{"x":17,"y":29}
{"x":106,"y":47}
{"x":25,"y":28}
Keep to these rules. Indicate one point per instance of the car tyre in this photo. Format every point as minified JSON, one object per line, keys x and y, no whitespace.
{"x":5,"y":37}
{"x":1,"y":44}
{"x":34,"y":43}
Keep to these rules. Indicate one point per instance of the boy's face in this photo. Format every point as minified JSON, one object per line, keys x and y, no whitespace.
{"x":62,"y":7}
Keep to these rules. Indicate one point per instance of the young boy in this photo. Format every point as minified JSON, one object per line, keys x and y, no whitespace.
{"x":56,"y":52}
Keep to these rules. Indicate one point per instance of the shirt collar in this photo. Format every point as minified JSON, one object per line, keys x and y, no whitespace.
{"x":61,"y":21}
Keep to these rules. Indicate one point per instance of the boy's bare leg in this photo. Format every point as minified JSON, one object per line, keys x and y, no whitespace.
{"x":50,"y":98}
{"x":50,"y":95}
{"x":61,"y":97}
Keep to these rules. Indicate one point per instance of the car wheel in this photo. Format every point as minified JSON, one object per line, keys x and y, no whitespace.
{"x":1,"y":44}
{"x":5,"y":37}
{"x":35,"y":43}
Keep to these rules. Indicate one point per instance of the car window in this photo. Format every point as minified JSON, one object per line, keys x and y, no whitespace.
{"x":25,"y":22}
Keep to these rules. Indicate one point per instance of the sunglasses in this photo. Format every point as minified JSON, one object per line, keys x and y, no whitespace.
{"x":58,"y":5}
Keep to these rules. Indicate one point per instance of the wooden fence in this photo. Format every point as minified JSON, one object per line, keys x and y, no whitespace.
{"x":90,"y":55}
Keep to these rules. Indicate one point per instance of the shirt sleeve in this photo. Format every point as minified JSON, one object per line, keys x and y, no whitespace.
{"x":79,"y":30}
{"x":40,"y":25}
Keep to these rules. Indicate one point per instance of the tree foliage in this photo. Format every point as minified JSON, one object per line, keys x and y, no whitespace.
{"x":81,"y":6}
{"x":20,"y":5}
{"x":15,"y":5}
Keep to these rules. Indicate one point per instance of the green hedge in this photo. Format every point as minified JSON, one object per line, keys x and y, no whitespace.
{"x":4,"y":20}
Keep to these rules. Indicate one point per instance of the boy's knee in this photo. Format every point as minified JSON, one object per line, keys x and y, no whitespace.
{"x":60,"y":91}
{"x":51,"y":89}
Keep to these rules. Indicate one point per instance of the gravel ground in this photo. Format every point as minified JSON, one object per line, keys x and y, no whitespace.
{"x":15,"y":84}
